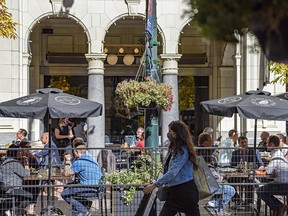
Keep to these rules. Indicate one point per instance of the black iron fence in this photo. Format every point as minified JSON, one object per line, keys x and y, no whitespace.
{"x":245,"y":189}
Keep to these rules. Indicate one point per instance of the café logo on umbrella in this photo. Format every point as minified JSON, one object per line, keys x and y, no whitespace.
{"x":263,"y":102}
{"x":67,"y":100}
{"x":28,"y":100}
{"x":229,"y":100}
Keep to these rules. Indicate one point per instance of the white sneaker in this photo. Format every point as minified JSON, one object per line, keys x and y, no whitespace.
{"x":8,"y":213}
{"x":211,"y":203}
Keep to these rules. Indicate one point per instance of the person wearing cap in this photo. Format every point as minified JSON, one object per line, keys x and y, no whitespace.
{"x":85,"y":168}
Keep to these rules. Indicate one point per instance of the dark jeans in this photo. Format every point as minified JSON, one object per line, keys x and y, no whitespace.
{"x":70,"y":194}
{"x":182,"y":198}
{"x":267,"y":192}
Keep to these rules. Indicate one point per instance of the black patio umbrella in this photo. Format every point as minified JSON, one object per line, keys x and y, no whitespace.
{"x":282,"y":95}
{"x":50,"y":103}
{"x":251,"y":105}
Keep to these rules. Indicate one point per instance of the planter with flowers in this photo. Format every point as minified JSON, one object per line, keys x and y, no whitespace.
{"x":132,"y":94}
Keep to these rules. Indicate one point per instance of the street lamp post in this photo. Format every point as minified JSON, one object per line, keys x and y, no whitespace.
{"x":151,"y":115}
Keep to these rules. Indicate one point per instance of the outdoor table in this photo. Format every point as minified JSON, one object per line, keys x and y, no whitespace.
{"x":45,"y":178}
{"x":233,"y":173}
{"x":58,"y":177}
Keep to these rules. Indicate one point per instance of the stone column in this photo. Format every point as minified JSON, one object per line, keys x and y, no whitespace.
{"x":170,"y":75}
{"x":96,"y":125}
{"x":24,"y":90}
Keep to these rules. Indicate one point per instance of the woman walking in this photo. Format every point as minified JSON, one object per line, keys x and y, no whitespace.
{"x":183,"y":194}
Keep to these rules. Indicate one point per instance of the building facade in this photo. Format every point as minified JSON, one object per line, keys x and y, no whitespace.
{"x":91,"y":45}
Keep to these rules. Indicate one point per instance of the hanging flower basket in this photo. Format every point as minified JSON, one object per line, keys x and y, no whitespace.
{"x":152,"y":105}
{"x":134,"y":94}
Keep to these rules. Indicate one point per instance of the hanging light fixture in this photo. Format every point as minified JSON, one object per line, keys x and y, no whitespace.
{"x":136,"y":50}
{"x":112,"y":59}
{"x":121,"y":50}
{"x":128,"y":59}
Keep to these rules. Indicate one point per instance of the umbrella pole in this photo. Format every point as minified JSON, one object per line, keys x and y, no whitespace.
{"x":49,"y":203}
{"x":255,"y":134}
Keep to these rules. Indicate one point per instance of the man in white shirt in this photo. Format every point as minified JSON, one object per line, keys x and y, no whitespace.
{"x":226,"y":148}
{"x":277,"y":167}
{"x":283,"y":146}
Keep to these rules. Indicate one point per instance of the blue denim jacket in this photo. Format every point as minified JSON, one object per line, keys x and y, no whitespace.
{"x":180,"y":170}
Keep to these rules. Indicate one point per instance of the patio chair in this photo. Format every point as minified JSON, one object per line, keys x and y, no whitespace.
{"x":122,"y":160}
{"x":94,"y":200}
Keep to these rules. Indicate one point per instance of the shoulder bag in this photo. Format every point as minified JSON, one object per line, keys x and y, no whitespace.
{"x":204,"y":179}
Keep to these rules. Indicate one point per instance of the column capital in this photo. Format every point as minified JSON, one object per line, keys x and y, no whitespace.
{"x":95,"y":63}
{"x":95,"y":56}
{"x":170,"y":64}
{"x":171,"y":56}
{"x":27,"y":57}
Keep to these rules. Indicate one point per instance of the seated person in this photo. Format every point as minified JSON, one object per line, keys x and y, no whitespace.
{"x":262,"y":146}
{"x":87,"y":171}
{"x":139,"y":147}
{"x":216,"y":202}
{"x":43,"y":155}
{"x":28,"y":160}
{"x":43,"y":159}
{"x":20,"y":135}
{"x":140,"y":139}
{"x":226,"y":149}
{"x":12,"y":174}
{"x":247,"y":156}
{"x":278,"y":167}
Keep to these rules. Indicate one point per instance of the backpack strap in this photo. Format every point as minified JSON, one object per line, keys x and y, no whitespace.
{"x":279,"y":158}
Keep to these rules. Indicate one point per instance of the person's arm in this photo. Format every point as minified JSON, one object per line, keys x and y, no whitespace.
{"x":271,"y":167}
{"x":259,"y":159}
{"x":177,"y":163}
{"x":71,"y":135}
{"x":44,"y":152}
{"x":58,"y":136}
{"x":20,"y":171}
{"x":67,"y":169}
{"x":234,"y":158}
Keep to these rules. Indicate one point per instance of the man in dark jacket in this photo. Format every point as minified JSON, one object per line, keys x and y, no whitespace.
{"x":244,"y":158}
{"x":12,"y":174}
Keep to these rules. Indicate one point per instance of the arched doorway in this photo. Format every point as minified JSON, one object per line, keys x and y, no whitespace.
{"x":124,"y":46}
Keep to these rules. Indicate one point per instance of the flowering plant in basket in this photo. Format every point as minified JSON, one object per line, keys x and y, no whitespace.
{"x":132,"y":94}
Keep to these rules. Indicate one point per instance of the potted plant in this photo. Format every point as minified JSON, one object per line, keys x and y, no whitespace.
{"x":131,"y":94}
{"x":268,"y":20}
{"x":130,"y":182}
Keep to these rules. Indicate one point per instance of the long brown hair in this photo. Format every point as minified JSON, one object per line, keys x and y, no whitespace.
{"x":183,"y":138}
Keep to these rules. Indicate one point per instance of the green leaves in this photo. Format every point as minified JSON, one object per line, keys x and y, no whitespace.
{"x":7,"y":26}
{"x":280,"y":71}
{"x":220,"y":19}
{"x":130,"y":94}
{"x":144,"y":175}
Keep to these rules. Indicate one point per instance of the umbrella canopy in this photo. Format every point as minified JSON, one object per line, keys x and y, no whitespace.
{"x":251,"y":105}
{"x":282,"y":95}
{"x":50,"y":101}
